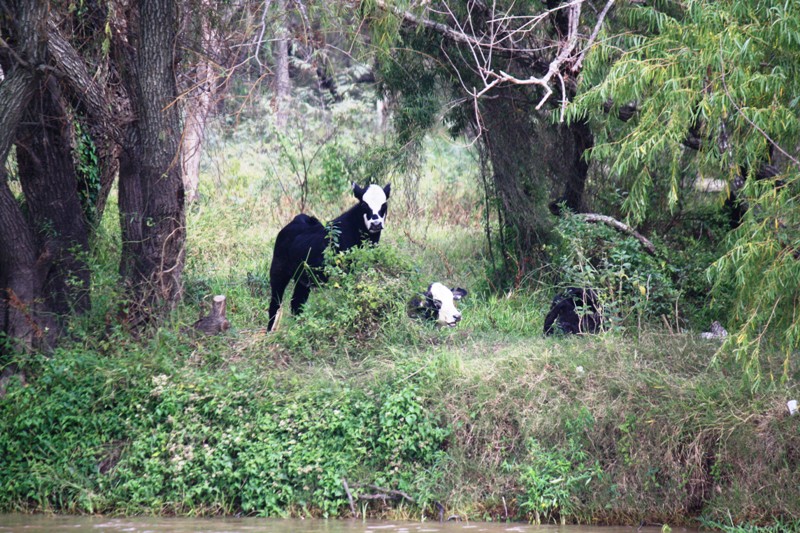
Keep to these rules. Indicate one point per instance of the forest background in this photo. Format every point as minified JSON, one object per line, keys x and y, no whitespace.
{"x":153,"y":149}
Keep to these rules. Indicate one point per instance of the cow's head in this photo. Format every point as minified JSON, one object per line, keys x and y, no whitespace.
{"x":438,"y":303}
{"x":373,"y":205}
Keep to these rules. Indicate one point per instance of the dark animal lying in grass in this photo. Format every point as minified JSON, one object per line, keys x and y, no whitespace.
{"x":300,"y":245}
{"x":437,"y":303}
{"x":575,"y":310}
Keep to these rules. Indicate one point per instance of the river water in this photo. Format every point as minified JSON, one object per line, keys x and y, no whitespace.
{"x":38,"y":523}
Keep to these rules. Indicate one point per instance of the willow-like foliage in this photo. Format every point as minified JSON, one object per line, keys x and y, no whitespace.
{"x":716,"y":91}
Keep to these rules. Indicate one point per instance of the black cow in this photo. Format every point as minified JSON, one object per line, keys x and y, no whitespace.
{"x":437,"y":303}
{"x":304,"y":239}
{"x":575,"y":310}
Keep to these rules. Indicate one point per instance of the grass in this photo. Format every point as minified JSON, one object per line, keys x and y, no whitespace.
{"x":490,"y":419}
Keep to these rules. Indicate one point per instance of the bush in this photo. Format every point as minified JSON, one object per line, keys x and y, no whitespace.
{"x":632,"y":285}
{"x":366,"y":291}
{"x":556,"y":476}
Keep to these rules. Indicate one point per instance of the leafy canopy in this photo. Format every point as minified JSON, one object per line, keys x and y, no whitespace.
{"x":724,"y":74}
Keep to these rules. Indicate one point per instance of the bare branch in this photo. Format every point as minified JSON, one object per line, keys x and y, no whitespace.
{"x":577,"y":65}
{"x":260,"y":38}
{"x":438,"y":27}
{"x":620,"y":226}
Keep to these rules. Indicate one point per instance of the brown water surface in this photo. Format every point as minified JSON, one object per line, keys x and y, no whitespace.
{"x":15,"y":523}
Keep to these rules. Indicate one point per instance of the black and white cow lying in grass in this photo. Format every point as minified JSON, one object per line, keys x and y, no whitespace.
{"x":574,"y":310}
{"x":438,"y":304}
{"x":303,"y":240}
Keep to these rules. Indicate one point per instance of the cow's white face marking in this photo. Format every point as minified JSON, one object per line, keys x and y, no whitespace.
{"x":444,"y":300}
{"x":375,"y":200}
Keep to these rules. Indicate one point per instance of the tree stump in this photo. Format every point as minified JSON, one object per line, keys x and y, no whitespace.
{"x":215,"y":322}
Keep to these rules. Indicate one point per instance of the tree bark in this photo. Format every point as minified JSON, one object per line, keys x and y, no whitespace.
{"x":200,"y":99}
{"x":104,"y":115}
{"x":282,"y":82}
{"x":151,"y":185}
{"x":574,"y":167}
{"x":48,"y":179}
{"x":514,"y":144}
{"x":19,"y":265}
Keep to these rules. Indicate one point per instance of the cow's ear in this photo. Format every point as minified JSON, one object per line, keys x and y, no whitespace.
{"x":459,"y":293}
{"x":358,"y":192}
{"x":416,"y":307}
{"x":387,"y":190}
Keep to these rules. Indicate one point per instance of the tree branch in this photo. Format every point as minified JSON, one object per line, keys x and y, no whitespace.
{"x":616,"y":224}
{"x":73,"y":67}
{"x":600,"y":18}
{"x":438,"y":27}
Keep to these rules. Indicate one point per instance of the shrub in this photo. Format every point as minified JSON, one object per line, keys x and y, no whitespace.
{"x":632,"y":284}
{"x":366,"y":290}
{"x":555,"y":477}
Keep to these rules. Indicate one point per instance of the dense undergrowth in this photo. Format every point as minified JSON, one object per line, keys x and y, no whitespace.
{"x":489,"y":420}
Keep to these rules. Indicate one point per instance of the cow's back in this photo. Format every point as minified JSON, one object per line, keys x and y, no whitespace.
{"x":302,"y":239}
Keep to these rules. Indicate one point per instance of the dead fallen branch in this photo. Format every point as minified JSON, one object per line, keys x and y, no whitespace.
{"x":620,"y":226}
{"x":381,"y":493}
{"x":349,"y":498}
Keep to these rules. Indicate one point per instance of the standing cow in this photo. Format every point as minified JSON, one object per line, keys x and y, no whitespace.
{"x":303,"y":240}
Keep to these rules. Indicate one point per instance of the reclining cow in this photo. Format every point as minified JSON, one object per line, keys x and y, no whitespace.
{"x":575,"y":310}
{"x":300,"y":245}
{"x":437,"y":303}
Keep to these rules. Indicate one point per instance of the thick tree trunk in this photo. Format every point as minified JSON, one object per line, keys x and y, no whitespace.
{"x":47,"y":175}
{"x":20,"y":317}
{"x":21,"y":275}
{"x":514,"y":144}
{"x":533,"y":162}
{"x":151,"y":185}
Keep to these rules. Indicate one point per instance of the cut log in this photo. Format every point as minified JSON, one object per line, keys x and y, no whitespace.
{"x":215,"y":322}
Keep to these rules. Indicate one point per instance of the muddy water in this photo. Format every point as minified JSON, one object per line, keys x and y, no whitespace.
{"x":37,"y":524}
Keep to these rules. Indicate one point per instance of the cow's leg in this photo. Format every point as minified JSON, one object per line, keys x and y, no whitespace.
{"x":301,"y":291}
{"x":277,"y":283}
{"x":550,"y":321}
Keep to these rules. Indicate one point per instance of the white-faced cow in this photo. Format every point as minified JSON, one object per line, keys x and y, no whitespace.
{"x":302,"y":242}
{"x":437,"y":303}
{"x":575,"y":310}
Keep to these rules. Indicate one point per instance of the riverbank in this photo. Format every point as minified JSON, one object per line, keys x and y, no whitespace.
{"x":477,"y":424}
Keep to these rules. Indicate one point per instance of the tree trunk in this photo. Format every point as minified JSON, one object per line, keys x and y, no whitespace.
{"x":514,"y":143}
{"x":282,"y":82}
{"x":151,"y":185}
{"x":574,"y":168}
{"x":100,"y":111}
{"x":201,"y":97}
{"x":20,"y":318}
{"x":197,"y":110}
{"x":47,"y":175}
{"x":534,"y":162}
